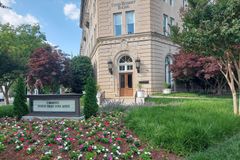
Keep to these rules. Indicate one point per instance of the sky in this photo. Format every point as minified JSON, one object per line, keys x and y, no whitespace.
{"x":59,"y":20}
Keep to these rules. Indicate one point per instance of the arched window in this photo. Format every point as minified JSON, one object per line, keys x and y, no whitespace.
{"x":168,"y":74}
{"x":125,"y":64}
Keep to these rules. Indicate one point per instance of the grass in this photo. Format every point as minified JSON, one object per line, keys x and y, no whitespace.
{"x":188,"y":127}
{"x":228,"y":150}
{"x":191,"y":95}
{"x":6,"y":111}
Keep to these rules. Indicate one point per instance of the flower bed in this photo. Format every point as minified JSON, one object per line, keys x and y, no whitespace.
{"x":104,"y":138}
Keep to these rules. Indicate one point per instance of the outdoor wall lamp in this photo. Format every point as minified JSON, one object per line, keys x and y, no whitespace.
{"x":137,"y":61}
{"x":110,"y":66}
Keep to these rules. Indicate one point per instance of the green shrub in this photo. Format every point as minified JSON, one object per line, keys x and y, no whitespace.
{"x":6,"y":111}
{"x":20,"y":106}
{"x":80,"y":69}
{"x":90,"y":101}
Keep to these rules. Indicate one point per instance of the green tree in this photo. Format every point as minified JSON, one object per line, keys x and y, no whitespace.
{"x":90,"y":101}
{"x":213,"y":29}
{"x":20,"y":100}
{"x":80,"y":68}
{"x":17,"y":44}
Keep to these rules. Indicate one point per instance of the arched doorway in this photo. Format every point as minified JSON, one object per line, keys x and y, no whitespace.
{"x":168,"y":73}
{"x":125,"y":69}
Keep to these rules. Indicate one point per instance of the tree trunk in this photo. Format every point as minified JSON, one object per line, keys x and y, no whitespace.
{"x":5,"y":94}
{"x":6,"y":99}
{"x":235,"y":102}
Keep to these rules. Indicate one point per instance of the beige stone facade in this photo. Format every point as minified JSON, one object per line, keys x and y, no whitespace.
{"x":149,"y":42}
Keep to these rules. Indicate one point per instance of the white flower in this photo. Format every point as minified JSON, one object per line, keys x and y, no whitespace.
{"x":105,"y":155}
{"x":118,"y":147}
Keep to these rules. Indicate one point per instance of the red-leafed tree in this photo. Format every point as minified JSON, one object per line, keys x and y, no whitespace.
{"x":46,"y":69}
{"x":204,"y":70}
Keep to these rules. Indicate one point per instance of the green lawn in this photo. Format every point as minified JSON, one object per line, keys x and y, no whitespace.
{"x":185,"y":126}
{"x":191,"y":95}
{"x":228,"y":150}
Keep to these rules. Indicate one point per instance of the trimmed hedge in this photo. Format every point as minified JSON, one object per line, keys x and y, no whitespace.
{"x":6,"y":111}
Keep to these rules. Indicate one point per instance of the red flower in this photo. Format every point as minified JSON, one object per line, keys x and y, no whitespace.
{"x":106,"y":123}
{"x":118,"y":139}
{"x":25,"y":147}
{"x":21,"y":139}
{"x":90,"y":148}
{"x":50,"y":145}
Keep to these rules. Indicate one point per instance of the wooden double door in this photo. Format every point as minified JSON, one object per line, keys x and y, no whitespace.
{"x":126,"y":84}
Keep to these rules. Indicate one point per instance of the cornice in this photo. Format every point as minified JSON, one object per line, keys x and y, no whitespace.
{"x":138,"y":37}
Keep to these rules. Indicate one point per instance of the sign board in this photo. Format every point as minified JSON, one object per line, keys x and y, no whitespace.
{"x":54,"y":106}
{"x":124,"y":4}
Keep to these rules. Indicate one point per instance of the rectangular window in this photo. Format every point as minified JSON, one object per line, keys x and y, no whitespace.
{"x":172,"y":22}
{"x":171,"y":2}
{"x":130,"y":21}
{"x":117,"y":24}
{"x":165,"y":25}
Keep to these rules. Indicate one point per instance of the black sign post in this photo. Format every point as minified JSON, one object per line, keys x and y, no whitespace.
{"x":66,"y":105}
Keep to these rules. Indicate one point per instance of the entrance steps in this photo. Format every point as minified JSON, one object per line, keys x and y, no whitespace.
{"x":124,"y":101}
{"x":121,"y":100}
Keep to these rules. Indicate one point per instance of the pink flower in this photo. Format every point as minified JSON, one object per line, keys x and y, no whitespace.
{"x":81,"y":146}
{"x":110,"y":158}
{"x":60,"y":147}
{"x":110,"y":140}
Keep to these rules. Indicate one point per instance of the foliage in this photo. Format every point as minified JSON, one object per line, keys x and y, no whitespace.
{"x":90,"y":101}
{"x":167,"y":86}
{"x":194,"y":125}
{"x":204,"y":70}
{"x":228,"y":150}
{"x":46,"y":67}
{"x":213,"y":28}
{"x":20,"y":100}
{"x":17,"y":44}
{"x":3,"y":6}
{"x":6,"y":111}
{"x":80,"y":68}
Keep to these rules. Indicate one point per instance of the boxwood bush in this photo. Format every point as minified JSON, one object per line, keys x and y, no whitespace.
{"x":6,"y":111}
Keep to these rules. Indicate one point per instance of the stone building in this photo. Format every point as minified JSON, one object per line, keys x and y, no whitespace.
{"x":128,"y":43}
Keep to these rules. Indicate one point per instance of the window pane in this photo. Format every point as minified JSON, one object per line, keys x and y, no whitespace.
{"x":130,"y":67}
{"x":122,"y":81}
{"x":165,"y":24}
{"x":118,"y":24}
{"x":122,"y":68}
{"x":130,"y":20}
{"x":130,"y":81}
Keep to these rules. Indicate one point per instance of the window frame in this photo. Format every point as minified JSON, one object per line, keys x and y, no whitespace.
{"x":114,"y":26}
{"x":134,"y":24}
{"x":125,"y":65}
{"x":165,"y":28}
